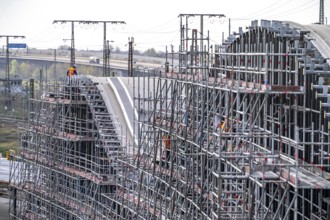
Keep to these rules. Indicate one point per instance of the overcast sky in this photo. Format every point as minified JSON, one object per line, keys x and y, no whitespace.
{"x":152,"y":23}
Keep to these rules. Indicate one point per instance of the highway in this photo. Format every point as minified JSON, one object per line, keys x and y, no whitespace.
{"x":114,"y":63}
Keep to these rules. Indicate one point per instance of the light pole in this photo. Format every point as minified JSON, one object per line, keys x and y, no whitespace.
{"x":7,"y":80}
{"x":108,"y":54}
{"x":73,"y":57}
{"x":130,"y":55}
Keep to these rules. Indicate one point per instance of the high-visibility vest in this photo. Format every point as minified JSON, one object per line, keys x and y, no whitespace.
{"x":71,"y":71}
{"x":167,"y":141}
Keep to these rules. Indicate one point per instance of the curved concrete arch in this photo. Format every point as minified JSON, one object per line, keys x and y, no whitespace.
{"x":318,"y":34}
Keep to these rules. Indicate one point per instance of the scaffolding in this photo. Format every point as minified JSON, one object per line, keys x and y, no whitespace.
{"x":237,"y":131}
{"x":68,"y":155}
{"x":240,"y":131}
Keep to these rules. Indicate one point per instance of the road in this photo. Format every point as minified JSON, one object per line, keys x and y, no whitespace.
{"x":115,"y":63}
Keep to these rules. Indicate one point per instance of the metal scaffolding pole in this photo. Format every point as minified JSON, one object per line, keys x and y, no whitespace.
{"x":238,"y":132}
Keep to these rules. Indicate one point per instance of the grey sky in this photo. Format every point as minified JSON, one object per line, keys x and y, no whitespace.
{"x":153,"y":24}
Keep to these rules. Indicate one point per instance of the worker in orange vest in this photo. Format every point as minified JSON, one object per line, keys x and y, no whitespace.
{"x":167,"y":142}
{"x":71,"y":72}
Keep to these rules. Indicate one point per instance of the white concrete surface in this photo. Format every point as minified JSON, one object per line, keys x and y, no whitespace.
{"x":319,"y":35}
{"x":4,"y":169}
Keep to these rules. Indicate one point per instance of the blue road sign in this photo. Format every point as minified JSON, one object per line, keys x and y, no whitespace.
{"x":16,"y":45}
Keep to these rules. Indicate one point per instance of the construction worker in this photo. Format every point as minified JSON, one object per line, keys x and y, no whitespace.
{"x":71,"y":72}
{"x":9,"y":154}
{"x":167,"y":142}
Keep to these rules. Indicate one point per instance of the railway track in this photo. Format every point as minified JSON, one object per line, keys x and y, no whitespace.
{"x":9,"y":118}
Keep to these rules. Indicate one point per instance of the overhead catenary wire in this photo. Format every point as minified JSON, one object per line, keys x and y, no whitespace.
{"x":292,"y":8}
